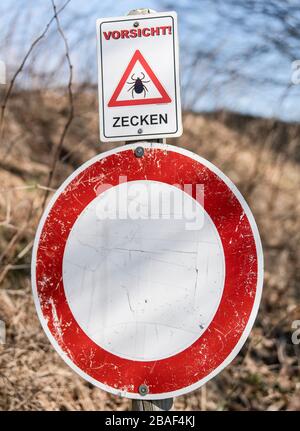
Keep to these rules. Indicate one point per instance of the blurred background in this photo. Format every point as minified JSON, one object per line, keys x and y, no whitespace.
{"x":240,"y":81}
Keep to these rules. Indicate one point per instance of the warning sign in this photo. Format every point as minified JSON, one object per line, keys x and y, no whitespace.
{"x":143,"y":85}
{"x":139,"y":95}
{"x":141,"y":305}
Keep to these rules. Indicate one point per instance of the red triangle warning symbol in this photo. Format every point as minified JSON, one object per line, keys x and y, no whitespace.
{"x":138,"y":85}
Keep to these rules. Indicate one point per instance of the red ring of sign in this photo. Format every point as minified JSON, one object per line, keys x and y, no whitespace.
{"x":241,"y":261}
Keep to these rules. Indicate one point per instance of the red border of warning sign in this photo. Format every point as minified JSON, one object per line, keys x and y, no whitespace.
{"x":137,"y":56}
{"x":224,"y":337}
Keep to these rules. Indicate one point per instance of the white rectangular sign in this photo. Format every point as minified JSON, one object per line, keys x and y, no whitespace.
{"x":138,"y":77}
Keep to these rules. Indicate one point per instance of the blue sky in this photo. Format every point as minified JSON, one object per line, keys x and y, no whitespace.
{"x":231,"y":57}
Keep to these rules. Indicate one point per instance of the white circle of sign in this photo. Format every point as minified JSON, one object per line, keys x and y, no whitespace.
{"x":153,"y":279}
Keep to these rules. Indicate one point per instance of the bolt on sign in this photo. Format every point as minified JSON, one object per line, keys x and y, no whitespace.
{"x":147,"y":271}
{"x":138,"y":77}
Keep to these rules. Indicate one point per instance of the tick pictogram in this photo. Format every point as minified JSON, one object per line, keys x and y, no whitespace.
{"x":138,"y":85}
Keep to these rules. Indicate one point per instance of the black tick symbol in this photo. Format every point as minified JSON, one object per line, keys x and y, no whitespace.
{"x":138,"y":85}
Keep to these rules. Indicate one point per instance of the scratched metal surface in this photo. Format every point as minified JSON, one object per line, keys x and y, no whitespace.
{"x":151,"y":284}
{"x":187,"y":340}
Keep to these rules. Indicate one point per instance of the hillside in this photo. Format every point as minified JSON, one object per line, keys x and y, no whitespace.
{"x":260,"y":156}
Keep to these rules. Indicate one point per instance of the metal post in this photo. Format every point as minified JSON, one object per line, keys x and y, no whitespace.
{"x":153,"y":405}
{"x":150,"y":405}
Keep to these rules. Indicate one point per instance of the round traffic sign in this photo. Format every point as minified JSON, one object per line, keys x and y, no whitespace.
{"x":147,"y":271}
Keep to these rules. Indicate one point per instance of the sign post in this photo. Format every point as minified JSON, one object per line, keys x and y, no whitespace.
{"x":151,"y":405}
{"x":147,"y":265}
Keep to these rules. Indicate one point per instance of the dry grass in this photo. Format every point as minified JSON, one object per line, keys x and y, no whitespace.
{"x":260,"y":156}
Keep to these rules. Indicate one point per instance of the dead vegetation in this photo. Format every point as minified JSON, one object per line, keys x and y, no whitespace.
{"x":260,"y":156}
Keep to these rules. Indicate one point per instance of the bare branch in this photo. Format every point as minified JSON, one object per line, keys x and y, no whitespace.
{"x":20,"y":68}
{"x":71,"y":107}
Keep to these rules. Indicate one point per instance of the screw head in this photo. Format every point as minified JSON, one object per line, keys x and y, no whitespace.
{"x":136,"y":24}
{"x":140,"y":131}
{"x":143,"y":390}
{"x":139,"y":152}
